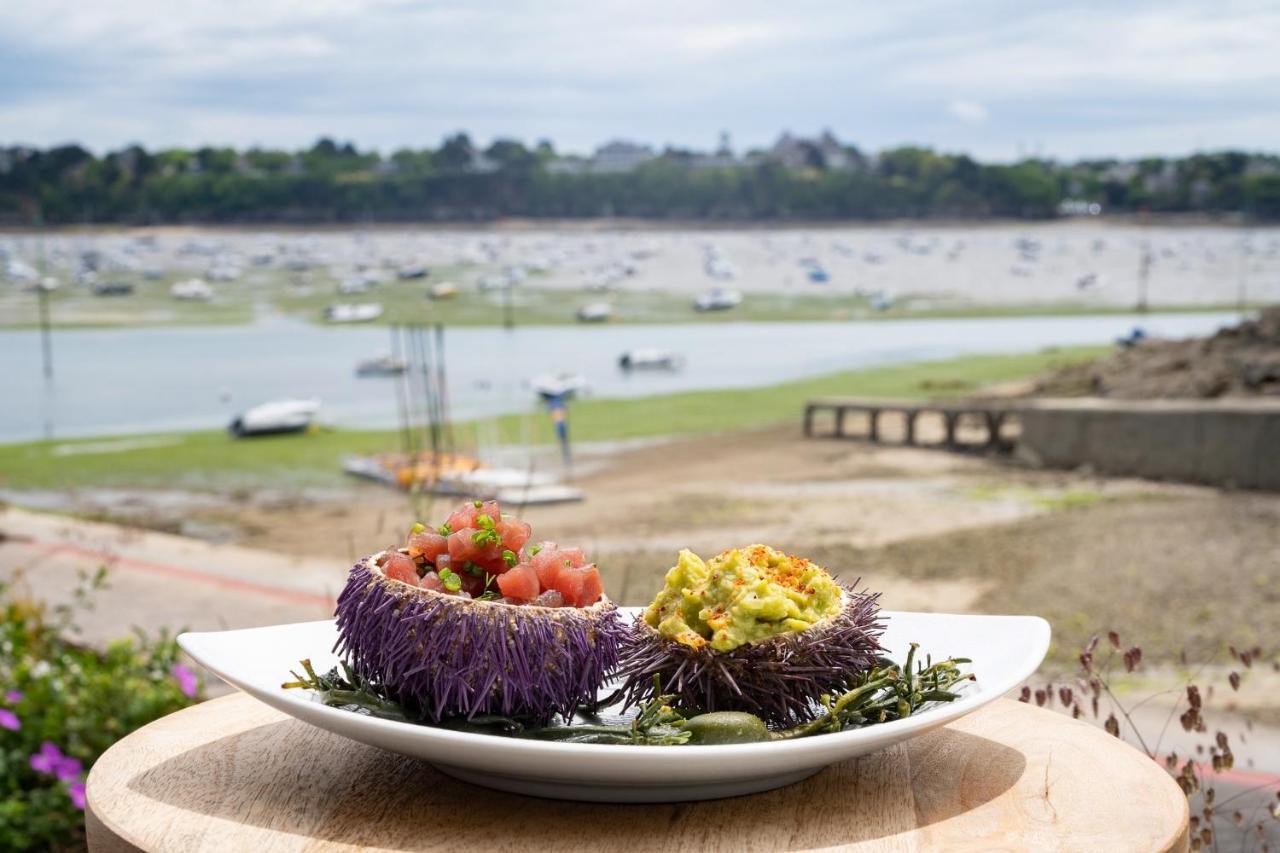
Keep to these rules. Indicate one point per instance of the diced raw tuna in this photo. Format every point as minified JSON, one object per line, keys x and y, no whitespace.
{"x":463,"y":548}
{"x":580,"y":586}
{"x":514,"y":534}
{"x":429,"y":545}
{"x":592,"y":586}
{"x":474,"y":549}
{"x":547,"y":565}
{"x":491,"y":509}
{"x":402,"y":568}
{"x":520,"y":582}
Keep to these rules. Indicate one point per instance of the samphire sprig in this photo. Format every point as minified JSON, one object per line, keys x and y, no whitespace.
{"x":656,"y":724}
{"x":886,"y":692}
{"x":347,"y":691}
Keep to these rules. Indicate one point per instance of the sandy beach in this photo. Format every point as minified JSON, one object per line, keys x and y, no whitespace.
{"x":648,"y":273}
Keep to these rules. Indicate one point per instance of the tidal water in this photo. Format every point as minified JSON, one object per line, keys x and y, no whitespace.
{"x":150,"y":380}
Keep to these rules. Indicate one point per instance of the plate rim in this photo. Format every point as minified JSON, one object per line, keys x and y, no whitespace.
{"x":1030,"y":661}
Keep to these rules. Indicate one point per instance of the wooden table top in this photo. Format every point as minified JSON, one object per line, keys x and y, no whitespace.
{"x":234,"y":774}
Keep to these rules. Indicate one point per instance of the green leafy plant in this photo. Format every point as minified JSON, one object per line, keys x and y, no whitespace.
{"x":63,"y":703}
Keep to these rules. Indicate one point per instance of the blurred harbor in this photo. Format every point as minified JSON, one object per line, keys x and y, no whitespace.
{"x":112,"y":381}
{"x":525,"y":273}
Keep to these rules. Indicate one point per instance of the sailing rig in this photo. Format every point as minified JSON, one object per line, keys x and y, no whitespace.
{"x":429,"y":462}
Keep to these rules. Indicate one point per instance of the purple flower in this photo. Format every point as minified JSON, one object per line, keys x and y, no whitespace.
{"x":13,"y":697}
{"x":9,"y":720}
{"x":68,"y":769}
{"x":76,"y":792}
{"x":52,"y":762}
{"x":48,"y":759}
{"x":186,"y":680}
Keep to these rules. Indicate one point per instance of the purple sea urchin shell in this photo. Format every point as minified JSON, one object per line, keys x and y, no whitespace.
{"x":778,"y":679}
{"x":450,"y":656}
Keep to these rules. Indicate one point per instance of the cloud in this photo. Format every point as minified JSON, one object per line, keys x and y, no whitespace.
{"x":1079,"y":77}
{"x":967,"y":111}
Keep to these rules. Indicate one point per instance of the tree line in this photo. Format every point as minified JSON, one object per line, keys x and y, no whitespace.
{"x":458,"y":181}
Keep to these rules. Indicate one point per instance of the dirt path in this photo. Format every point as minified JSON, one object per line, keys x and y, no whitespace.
{"x":1178,"y":566}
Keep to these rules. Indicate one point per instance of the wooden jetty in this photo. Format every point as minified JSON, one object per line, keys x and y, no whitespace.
{"x":991,"y":414}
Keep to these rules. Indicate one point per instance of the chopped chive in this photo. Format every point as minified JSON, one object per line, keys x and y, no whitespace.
{"x":477,"y":504}
{"x":509,"y":557}
{"x":417,"y":528}
{"x":444,"y":529}
{"x":534,"y":549}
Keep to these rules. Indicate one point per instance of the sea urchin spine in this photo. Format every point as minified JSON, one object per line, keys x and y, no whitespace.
{"x":779,"y":679}
{"x":451,"y":656}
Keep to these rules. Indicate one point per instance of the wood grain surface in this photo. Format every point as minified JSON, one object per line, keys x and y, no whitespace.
{"x":233,"y":774}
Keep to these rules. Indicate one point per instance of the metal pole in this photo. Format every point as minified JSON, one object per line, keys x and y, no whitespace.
{"x":1144,"y":273}
{"x":1242,"y":278}
{"x":46,"y":333}
{"x":46,"y":338}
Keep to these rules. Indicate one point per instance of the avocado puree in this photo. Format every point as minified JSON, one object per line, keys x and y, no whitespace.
{"x":741,"y":596}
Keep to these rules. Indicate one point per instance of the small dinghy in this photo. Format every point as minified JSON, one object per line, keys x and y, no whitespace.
{"x":275,"y":418}
{"x":353,"y":312}
{"x":595,"y":312}
{"x":650,"y":359}
{"x":717,"y":299}
{"x":443,"y":290}
{"x":383,"y":365}
{"x":563,"y":385}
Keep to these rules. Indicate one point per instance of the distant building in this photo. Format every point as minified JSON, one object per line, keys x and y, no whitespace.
{"x":825,"y":152}
{"x":1120,"y":173}
{"x":570,"y":165}
{"x":481,"y":163}
{"x":621,"y":156}
{"x":1163,"y":181}
{"x":1258,"y":167}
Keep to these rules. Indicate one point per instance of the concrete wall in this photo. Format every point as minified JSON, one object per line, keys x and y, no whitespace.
{"x":1223,"y":443}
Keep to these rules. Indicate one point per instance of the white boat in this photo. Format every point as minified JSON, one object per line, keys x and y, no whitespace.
{"x":650,"y":359}
{"x":595,"y":312}
{"x":443,"y":290}
{"x":353,"y":312}
{"x":559,"y":384}
{"x":275,"y":417}
{"x":383,"y":365}
{"x":412,"y":271}
{"x":357,"y":283}
{"x":112,"y":288}
{"x":717,"y":299}
{"x":194,"y":290}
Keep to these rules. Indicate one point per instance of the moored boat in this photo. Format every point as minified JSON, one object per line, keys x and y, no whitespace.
{"x":275,"y":417}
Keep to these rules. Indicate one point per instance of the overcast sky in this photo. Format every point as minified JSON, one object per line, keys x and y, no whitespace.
{"x":996,"y":79}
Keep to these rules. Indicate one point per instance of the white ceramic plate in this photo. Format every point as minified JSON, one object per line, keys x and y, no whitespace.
{"x":1005,"y":650}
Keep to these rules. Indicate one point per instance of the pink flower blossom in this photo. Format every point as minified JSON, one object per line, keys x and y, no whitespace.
{"x":76,"y":792}
{"x":9,"y":720}
{"x":68,"y":769}
{"x":52,"y":762}
{"x":48,"y":759}
{"x":186,"y":680}
{"x":13,"y":697}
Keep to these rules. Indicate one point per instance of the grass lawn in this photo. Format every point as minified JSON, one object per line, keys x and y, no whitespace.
{"x":210,"y":459}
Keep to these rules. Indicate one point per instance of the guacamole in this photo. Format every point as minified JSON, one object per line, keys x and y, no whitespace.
{"x":741,"y":596}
